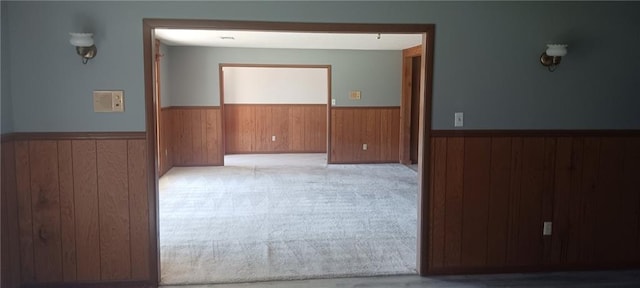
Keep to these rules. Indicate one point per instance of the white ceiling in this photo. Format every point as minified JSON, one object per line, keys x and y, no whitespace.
{"x":291,"y":40}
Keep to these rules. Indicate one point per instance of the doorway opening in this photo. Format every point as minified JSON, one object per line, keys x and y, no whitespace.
{"x":425,"y":30}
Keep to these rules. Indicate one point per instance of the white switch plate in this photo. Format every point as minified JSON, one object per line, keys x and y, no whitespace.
{"x":546,"y":228}
{"x":333,"y":101}
{"x":364,"y":146}
{"x":458,"y":119}
{"x":273,"y":138}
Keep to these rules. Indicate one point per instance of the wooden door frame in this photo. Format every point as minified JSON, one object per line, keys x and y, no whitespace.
{"x":426,"y":30}
{"x":322,"y":66}
{"x":405,"y":106}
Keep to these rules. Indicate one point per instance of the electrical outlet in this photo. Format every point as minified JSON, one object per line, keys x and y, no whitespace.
{"x":364,"y":147}
{"x":546,"y":228}
{"x":273,"y":138}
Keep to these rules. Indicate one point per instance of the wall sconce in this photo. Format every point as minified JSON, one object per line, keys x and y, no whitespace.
{"x":84,"y":45}
{"x":551,"y":58}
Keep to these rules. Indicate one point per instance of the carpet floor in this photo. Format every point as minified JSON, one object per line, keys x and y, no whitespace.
{"x":286,"y":216}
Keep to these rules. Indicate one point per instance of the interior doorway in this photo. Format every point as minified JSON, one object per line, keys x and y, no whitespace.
{"x":425,"y":114}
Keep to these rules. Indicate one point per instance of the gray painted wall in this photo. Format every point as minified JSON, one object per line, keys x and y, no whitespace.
{"x":486,"y":58}
{"x":194,"y":72}
{"x":6,"y":113}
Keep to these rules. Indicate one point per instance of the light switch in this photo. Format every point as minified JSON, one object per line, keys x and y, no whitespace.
{"x":273,"y":138}
{"x":365,"y":147}
{"x":458,"y":119}
{"x":333,"y":102}
{"x":546,"y":229}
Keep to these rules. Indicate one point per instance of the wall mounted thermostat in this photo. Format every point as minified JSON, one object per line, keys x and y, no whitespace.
{"x":108,"y":101}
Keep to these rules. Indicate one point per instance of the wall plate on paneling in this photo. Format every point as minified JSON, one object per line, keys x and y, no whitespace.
{"x":108,"y":101}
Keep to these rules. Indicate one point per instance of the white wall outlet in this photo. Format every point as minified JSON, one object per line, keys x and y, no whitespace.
{"x":546,"y":228}
{"x":273,"y":138}
{"x":333,"y":101}
{"x":364,"y":147}
{"x":458,"y":119}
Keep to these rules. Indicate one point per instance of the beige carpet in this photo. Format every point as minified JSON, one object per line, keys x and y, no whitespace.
{"x":286,"y":216}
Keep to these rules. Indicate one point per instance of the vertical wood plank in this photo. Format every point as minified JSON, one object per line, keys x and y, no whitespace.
{"x":548,"y":194}
{"x":497,"y":230}
{"x":630,"y":193}
{"x":564,"y":168}
{"x":280,"y":128}
{"x":45,"y":201}
{"x":138,"y":209}
{"x":195,"y":125}
{"x":514,"y":201}
{"x":530,"y":242}
{"x":67,"y":211}
{"x":576,"y":199}
{"x":439,"y":182}
{"x":85,"y":183}
{"x":213,"y":137}
{"x":591,"y":156}
{"x":615,"y":216}
{"x":10,"y":220}
{"x":475,"y":205}
{"x":115,"y":260}
{"x":263,"y":129}
{"x":296,"y":129}
{"x":25,"y":221}
{"x":395,"y":136}
{"x":454,"y":200}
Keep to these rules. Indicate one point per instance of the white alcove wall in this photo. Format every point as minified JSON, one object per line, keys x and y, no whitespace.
{"x":275,"y":85}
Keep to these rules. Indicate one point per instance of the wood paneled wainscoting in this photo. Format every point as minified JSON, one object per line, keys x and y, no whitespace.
{"x":298,"y":128}
{"x":378,"y":127}
{"x":492,"y":191}
{"x":77,"y":206}
{"x":190,"y":136}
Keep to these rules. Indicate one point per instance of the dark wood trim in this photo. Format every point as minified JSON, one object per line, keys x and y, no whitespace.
{"x":427,"y":30}
{"x":405,"y":104}
{"x":152,"y":146}
{"x":530,"y":269}
{"x":329,"y":108}
{"x":130,"y":284}
{"x":223,"y":129}
{"x":271,"y":104}
{"x":288,"y":26}
{"x":412,"y":52}
{"x":424,"y":151}
{"x":190,"y":107}
{"x":533,"y":133}
{"x":320,"y":66}
{"x":277,"y":152}
{"x":25,"y":136}
{"x":364,"y":107}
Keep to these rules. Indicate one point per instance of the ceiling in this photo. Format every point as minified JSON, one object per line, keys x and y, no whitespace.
{"x":287,"y":40}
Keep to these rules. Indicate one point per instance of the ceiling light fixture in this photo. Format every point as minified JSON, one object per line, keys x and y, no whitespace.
{"x":84,"y":45}
{"x":553,"y":55}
